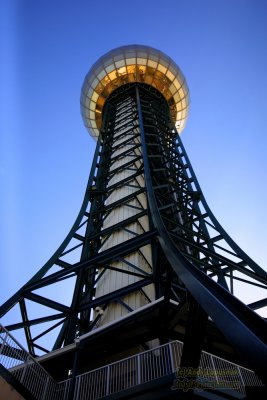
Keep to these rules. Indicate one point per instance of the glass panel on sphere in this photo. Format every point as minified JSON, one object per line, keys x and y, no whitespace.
{"x":99,"y":88}
{"x":181,"y":92}
{"x":98,"y":68}
{"x":183,"y":103}
{"x":122,"y":71}
{"x":158,"y":84}
{"x":101,"y":101}
{"x":167,"y":94}
{"x":87,"y":113}
{"x":176,"y":83}
{"x":101,"y":74}
{"x":95,"y":82}
{"x":92,"y":105}
{"x":112,"y":75}
{"x":129,"y":54}
{"x":149,"y":71}
{"x":110,"y":68}
{"x":142,"y":54}
{"x":177,"y":98}
{"x":152,"y":63}
{"x":131,"y":69}
{"x":87,"y":102}
{"x":95,"y":96}
{"x":165,"y":62}
{"x":162,"y":69}
{"x":141,"y":61}
{"x":120,"y":63}
{"x":105,"y":81}
{"x":108,"y":62}
{"x":130,"y":61}
{"x":148,"y":78}
{"x":153,"y":56}
{"x":117,"y":56}
{"x":170,"y":75}
{"x":173,"y":89}
{"x":181,"y":79}
{"x":131,"y":78}
{"x":173,"y":69}
{"x":158,"y":75}
{"x":121,"y":80}
{"x":90,"y":92}
{"x":90,"y":78}
{"x":141,"y":69}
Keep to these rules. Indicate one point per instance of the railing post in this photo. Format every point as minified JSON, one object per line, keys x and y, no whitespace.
{"x":72,"y":381}
{"x":66,"y":390}
{"x":243,"y":384}
{"x":171,"y":357}
{"x":215,"y":373}
{"x":45,"y":388}
{"x":77,"y":388}
{"x":4,"y":342}
{"x":108,"y":379}
{"x":138,"y":370}
{"x":241,"y":377}
{"x":24,"y":370}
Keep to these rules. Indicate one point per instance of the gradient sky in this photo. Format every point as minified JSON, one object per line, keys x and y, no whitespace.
{"x":46,"y":153}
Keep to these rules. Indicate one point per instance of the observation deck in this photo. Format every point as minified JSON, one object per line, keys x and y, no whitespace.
{"x":128,"y":64}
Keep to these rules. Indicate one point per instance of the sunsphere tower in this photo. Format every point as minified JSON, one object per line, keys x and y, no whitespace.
{"x":150,"y":271}
{"x":124,"y":183}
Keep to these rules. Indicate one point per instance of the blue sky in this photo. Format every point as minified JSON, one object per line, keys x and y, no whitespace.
{"x":46,"y":153}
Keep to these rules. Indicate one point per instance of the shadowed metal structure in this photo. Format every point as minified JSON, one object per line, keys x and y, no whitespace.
{"x":146,"y":261}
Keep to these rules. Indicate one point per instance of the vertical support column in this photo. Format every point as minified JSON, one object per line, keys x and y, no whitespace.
{"x":73,"y":376}
{"x":124,"y":219}
{"x":194,"y":335}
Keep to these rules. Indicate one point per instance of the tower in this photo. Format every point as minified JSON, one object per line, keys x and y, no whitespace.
{"x":151,"y":272}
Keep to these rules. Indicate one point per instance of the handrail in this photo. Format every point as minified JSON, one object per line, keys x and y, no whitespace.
{"x":25,"y":369}
{"x":214,"y":373}
{"x":156,"y":363}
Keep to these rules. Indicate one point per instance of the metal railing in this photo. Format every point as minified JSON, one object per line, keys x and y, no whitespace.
{"x":129,"y":372}
{"x":213,"y":372}
{"x":62,"y":390}
{"x":26,"y":370}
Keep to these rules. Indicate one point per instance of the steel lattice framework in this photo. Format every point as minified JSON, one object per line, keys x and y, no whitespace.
{"x":193,"y":263}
